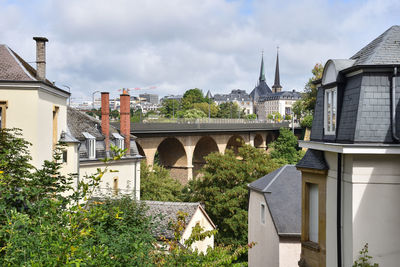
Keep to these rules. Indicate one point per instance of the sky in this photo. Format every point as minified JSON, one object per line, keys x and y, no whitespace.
{"x":167,"y":47}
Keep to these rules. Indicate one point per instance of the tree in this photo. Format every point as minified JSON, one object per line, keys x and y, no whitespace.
{"x":230,"y":110}
{"x":170,"y":108}
{"x":192,"y":96}
{"x":42,"y":222}
{"x":251,"y":117}
{"x":223,"y":189}
{"x":158,"y":185}
{"x":310,"y":95}
{"x":206,"y":107}
{"x":194,"y":114}
{"x":285,"y":148}
{"x":275,"y":116}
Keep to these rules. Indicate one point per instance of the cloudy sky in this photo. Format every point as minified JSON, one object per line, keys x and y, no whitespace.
{"x":176,"y":45}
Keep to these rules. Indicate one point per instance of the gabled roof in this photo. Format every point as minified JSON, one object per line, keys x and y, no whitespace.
{"x":168,"y":212}
{"x":385,"y":49}
{"x":313,"y":159}
{"x":14,"y":69}
{"x":282,"y":192}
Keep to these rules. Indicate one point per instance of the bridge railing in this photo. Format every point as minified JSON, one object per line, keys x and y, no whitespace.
{"x":209,"y":120}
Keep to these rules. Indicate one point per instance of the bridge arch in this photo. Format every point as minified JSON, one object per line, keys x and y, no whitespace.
{"x":204,"y":146}
{"x":234,"y":143}
{"x":172,"y":153}
{"x":258,"y":141}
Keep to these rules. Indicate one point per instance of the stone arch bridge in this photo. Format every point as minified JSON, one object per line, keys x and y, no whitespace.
{"x":181,"y":147}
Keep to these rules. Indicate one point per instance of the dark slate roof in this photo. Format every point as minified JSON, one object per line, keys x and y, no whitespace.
{"x":277,"y":82}
{"x":313,"y":159}
{"x":385,"y":49}
{"x":166,"y":212}
{"x":79,"y":122}
{"x":236,"y":94}
{"x":262,"y":89}
{"x":282,"y":192}
{"x":280,"y":95}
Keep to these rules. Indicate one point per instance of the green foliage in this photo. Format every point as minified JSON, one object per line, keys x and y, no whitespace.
{"x":179,"y":255}
{"x":194,"y":114}
{"x":223,"y":189}
{"x":158,"y":185}
{"x":170,"y":108}
{"x":285,"y":148}
{"x":275,"y":116}
{"x":364,"y":259}
{"x":43,"y":224}
{"x":192,"y":96}
{"x":251,"y":116}
{"x":205,"y":107}
{"x":306,"y":121}
{"x":310,"y":95}
{"x":230,"y":110}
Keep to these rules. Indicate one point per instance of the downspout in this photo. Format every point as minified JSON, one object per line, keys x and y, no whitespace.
{"x":393,"y":105}
{"x":78,"y":166}
{"x":339,"y":210}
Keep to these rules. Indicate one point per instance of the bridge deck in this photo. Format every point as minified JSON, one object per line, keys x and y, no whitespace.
{"x":190,"y":127}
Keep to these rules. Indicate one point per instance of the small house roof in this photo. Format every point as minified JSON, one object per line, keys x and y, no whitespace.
{"x":313,"y":159}
{"x":168,"y":212}
{"x":282,"y":193}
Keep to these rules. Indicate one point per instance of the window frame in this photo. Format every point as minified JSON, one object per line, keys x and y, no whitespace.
{"x":330,"y":112}
{"x":314,"y":238}
{"x":262,"y":213}
{"x":3,"y":106}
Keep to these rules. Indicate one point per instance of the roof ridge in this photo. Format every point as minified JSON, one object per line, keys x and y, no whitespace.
{"x":20,"y":62}
{"x":275,"y":177}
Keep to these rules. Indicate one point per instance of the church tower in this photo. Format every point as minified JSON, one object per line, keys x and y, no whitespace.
{"x":277,"y":84}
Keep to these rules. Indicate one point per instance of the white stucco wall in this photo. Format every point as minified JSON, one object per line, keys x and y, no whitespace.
{"x":200,"y":218}
{"x":30,"y":108}
{"x":266,"y":251}
{"x":370,"y":213}
{"x":289,"y":252}
{"x":376,"y":213}
{"x":128,"y":176}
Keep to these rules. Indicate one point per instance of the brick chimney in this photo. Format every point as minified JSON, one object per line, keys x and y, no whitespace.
{"x":125,"y":121}
{"x":40,"y":57}
{"x":105,"y":119}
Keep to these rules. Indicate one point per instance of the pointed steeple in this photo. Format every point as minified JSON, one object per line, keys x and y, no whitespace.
{"x":277,"y":87}
{"x":262,"y":72}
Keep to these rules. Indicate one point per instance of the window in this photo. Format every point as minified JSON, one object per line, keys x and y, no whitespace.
{"x":55,"y":124}
{"x":115,"y":186}
{"x":119,"y":140}
{"x":90,"y":145}
{"x":3,"y":107}
{"x":262,"y":213}
{"x":330,"y":111}
{"x":313,"y":214}
{"x":64,"y":156}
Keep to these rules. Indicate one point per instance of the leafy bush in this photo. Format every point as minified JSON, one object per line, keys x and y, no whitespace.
{"x":285,"y":148}
{"x":158,"y":185}
{"x":223,"y":189}
{"x":306,"y":122}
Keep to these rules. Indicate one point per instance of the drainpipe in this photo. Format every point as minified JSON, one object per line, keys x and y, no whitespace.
{"x":339,"y":210}
{"x":393,"y":105}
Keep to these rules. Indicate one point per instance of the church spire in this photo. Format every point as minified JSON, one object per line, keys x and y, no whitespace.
{"x":262,"y":73}
{"x":277,"y":84}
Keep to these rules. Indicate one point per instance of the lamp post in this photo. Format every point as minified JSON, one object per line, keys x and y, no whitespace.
{"x":93,"y":98}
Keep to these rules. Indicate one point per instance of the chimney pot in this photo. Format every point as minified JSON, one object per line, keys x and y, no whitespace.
{"x":40,"y":57}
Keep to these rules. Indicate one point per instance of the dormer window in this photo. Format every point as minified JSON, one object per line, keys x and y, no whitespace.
{"x":330,"y":111}
{"x":119,"y":140}
{"x":90,"y":145}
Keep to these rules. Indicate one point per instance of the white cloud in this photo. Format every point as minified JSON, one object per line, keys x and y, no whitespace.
{"x":180,"y":44}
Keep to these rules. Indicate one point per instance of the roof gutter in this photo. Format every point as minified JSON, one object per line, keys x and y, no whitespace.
{"x":393,"y":105}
